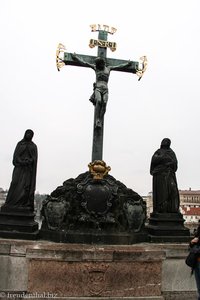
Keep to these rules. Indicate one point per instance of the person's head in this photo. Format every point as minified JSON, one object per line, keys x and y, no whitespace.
{"x":100,"y":63}
{"x":28,"y":135}
{"x":165,"y":143}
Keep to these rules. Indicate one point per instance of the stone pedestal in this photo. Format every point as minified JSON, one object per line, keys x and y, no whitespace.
{"x":167,"y":227}
{"x":18,"y":223}
{"x":154,"y":271}
{"x":96,"y":271}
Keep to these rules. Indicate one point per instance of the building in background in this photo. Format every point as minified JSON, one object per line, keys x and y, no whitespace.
{"x":149,"y":203}
{"x":3,"y":195}
{"x":190,"y":207}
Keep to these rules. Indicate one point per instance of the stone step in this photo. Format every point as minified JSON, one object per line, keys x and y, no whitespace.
{"x":15,"y":296}
{"x":112,"y":298}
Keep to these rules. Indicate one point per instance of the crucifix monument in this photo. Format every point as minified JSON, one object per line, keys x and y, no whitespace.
{"x":95,"y":207}
{"x":102,"y":67}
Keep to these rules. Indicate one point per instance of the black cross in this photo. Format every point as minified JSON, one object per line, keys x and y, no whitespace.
{"x":85,"y":61}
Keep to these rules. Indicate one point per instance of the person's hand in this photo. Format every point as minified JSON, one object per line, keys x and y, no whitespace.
{"x":194,"y":240}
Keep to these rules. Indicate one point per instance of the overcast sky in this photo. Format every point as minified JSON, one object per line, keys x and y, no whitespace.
{"x":165,"y":103}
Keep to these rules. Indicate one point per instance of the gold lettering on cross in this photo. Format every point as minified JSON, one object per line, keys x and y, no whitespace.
{"x":98,"y":27}
{"x":103,"y":44}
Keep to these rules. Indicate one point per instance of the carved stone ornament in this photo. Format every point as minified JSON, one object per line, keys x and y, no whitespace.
{"x":98,"y":169}
{"x":96,"y":278}
{"x":86,"y":204}
{"x":97,"y":195}
{"x":55,"y":211}
{"x":135,"y":213}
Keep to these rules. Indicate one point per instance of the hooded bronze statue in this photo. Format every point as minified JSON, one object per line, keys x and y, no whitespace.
{"x":165,"y":191}
{"x":22,"y":187}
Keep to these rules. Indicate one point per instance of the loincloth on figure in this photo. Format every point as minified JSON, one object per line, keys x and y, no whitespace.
{"x":102,"y":90}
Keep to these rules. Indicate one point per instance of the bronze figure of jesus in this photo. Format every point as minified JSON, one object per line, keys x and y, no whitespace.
{"x":100,"y":95}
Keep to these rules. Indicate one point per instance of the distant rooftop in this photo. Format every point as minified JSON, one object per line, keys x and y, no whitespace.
{"x":189,"y":192}
{"x":191,"y":211}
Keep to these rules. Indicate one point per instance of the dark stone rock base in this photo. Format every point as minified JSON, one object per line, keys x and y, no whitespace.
{"x":18,"y":224}
{"x":94,"y":211}
{"x":167,"y":227}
